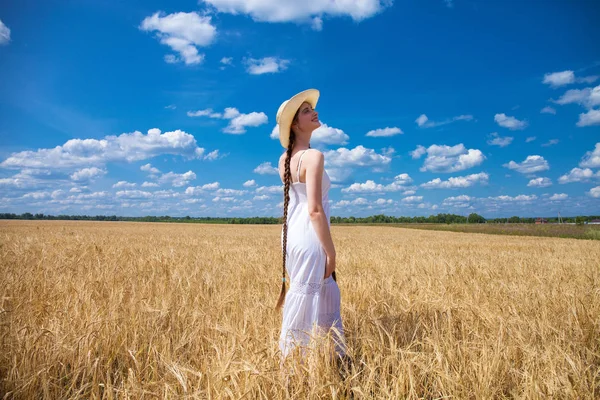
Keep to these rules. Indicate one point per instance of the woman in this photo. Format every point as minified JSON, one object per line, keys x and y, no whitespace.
{"x":312,"y":305}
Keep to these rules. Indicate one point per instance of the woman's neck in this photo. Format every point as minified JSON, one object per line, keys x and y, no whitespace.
{"x":302,"y":143}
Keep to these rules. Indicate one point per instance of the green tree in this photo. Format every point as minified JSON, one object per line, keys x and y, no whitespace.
{"x":476,"y":219}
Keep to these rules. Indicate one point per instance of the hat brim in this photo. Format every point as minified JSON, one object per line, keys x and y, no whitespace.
{"x":311,"y":96}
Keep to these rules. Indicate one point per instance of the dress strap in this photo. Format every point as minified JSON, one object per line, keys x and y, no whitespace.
{"x":299,"y":164}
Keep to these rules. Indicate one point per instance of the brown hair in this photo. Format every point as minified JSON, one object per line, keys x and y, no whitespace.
{"x":287,"y":177}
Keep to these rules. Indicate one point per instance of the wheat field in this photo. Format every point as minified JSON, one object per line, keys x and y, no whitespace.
{"x":144,"y":311}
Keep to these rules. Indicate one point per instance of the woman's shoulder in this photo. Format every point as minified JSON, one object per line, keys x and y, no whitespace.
{"x":313,"y":151}
{"x":314,"y":155}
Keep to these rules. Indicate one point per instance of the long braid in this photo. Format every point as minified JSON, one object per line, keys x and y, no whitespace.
{"x":286,"y":200}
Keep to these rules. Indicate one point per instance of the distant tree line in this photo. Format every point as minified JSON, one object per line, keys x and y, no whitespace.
{"x":472,"y":218}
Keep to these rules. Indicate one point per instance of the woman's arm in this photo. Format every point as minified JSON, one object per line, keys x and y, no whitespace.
{"x":314,"y":163}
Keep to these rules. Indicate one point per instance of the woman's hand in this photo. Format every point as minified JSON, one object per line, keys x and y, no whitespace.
{"x":329,"y":266}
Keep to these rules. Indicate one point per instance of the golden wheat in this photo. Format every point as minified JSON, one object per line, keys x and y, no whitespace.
{"x":141,"y":310}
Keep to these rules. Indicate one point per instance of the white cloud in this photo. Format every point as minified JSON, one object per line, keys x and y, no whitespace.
{"x":266,"y":169}
{"x":578,"y":175}
{"x":177,"y":180}
{"x":509,"y":122}
{"x":36,"y":195}
{"x":317,"y":23}
{"x":57,"y":194}
{"x":385,"y":132}
{"x":166,"y":194}
{"x":462,"y":201}
{"x":294,"y":11}
{"x":230,"y":192}
{"x":559,"y":196}
{"x":421,"y":120}
{"x":211,"y":186}
{"x":204,"y":113}
{"x":518,"y":199}
{"x":25,"y":172}
{"x":225,"y":199}
{"x":356,"y":157}
{"x":368,"y":186}
{"x":388,"y":151}
{"x":557,"y":79}
{"x":26,"y":179}
{"x":402,"y":179}
{"x":588,"y":79}
{"x":412,"y":199}
{"x":134,"y":194}
{"x":213,"y":155}
{"x":87,"y":174}
{"x":418,"y":152}
{"x":262,"y":197}
{"x":249,"y":183}
{"x":183,"y":32}
{"x":149,"y":168}
{"x":270,"y":189}
{"x":371,"y":187}
{"x":457,"y":182}
{"x":193,"y":201}
{"x":238,"y":121}
{"x":548,"y":110}
{"x":530,"y":139}
{"x":442,"y":158}
{"x":126,"y":147}
{"x":322,"y":135}
{"x":4,"y":33}
{"x":171,"y":59}
{"x":496,"y":140}
{"x":199,"y":190}
{"x":226,"y":60}
{"x":531,"y":165}
{"x":540,"y":182}
{"x":149,"y":184}
{"x":424,"y":122}
{"x":359,"y":201}
{"x":267,"y":65}
{"x":124,"y":184}
{"x":587,"y":97}
{"x":591,"y":159}
{"x":384,"y":202}
{"x":595,"y":192}
{"x":458,"y":199}
{"x":590,"y":118}
{"x":171,"y":107}
{"x":550,"y":142}
{"x":327,"y":135}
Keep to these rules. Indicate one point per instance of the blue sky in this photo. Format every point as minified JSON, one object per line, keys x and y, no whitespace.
{"x":155,"y":108}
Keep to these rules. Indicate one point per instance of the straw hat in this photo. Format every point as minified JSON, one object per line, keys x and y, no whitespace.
{"x":288,"y":109}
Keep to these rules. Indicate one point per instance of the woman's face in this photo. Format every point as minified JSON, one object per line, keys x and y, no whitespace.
{"x":308,"y":119}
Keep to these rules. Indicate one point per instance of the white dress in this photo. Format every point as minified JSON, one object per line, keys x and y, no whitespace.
{"x":311,"y":301}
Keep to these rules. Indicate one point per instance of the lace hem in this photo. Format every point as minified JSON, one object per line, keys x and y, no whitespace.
{"x":310,"y":288}
{"x":306,"y":287}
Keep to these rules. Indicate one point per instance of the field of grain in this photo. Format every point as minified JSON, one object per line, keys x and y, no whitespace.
{"x":144,"y":311}
{"x":587,"y":232}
